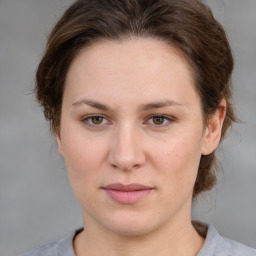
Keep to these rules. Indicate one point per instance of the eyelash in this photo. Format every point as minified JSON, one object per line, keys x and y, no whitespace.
{"x":89,"y":117}
{"x":167,"y":119}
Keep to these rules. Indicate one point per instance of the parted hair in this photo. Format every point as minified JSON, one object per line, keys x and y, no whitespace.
{"x":187,"y":25}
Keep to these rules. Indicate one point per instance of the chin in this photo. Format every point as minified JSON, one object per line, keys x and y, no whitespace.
{"x":130,"y":224}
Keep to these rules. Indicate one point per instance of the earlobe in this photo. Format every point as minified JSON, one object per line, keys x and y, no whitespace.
{"x":213,"y":129}
{"x":59,"y":143}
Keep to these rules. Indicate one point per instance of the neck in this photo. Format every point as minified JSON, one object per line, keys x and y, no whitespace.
{"x":176,"y":238}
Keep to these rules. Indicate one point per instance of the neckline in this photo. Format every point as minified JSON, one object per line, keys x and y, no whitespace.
{"x":205,"y":230}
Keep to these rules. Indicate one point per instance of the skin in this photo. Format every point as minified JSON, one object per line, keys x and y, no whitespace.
{"x":127,"y":145}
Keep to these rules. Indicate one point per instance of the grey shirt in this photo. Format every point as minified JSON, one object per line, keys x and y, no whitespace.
{"x":215,"y":245}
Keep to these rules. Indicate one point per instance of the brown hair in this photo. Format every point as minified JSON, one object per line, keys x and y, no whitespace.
{"x":187,"y":25}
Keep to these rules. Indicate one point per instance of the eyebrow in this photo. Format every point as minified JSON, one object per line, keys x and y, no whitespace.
{"x":91,"y":103}
{"x":144,"y":107}
{"x":159,"y":104}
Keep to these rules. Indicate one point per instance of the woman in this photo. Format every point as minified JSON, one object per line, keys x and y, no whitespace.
{"x":138,"y":95}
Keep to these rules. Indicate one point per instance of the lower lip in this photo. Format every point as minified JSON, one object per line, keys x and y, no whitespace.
{"x":127,"y":197}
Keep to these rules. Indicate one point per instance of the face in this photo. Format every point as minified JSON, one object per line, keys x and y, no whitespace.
{"x":132,"y":135}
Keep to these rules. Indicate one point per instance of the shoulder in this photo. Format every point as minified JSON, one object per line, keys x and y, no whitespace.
{"x":236,"y":249}
{"x":61,"y":247}
{"x":45,"y":250}
{"x":216,"y":245}
{"x":233,"y":248}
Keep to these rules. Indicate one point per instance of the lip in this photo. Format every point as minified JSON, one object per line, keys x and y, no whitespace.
{"x":127,"y":194}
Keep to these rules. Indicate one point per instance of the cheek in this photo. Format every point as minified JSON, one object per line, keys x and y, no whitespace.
{"x":84,"y":164}
{"x":178,"y":159}
{"x":179,"y":151}
{"x":83,"y":155}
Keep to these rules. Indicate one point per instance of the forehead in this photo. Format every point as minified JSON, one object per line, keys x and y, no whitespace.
{"x":135,"y":50}
{"x":134,"y":67}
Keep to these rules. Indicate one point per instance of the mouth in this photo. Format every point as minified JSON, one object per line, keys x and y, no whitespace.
{"x":127,"y":194}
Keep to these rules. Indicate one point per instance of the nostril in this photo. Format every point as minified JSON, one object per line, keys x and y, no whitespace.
{"x":126,"y":163}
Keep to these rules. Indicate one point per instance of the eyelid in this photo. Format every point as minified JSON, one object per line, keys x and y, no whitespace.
{"x":170,"y":120}
{"x":167,"y":118}
{"x":87,"y":117}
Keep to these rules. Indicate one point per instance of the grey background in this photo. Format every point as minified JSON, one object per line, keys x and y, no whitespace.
{"x":36,"y":201}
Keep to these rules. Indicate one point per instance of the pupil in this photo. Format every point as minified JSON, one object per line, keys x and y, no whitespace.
{"x":97,"y":120}
{"x":158,"y":120}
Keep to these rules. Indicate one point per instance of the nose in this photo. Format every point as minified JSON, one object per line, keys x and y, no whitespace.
{"x":126,"y":151}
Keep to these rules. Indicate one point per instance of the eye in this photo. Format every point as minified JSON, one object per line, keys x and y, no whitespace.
{"x":160,"y":120}
{"x":94,"y":120}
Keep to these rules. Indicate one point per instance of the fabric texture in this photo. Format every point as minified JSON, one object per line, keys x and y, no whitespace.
{"x":215,"y":245}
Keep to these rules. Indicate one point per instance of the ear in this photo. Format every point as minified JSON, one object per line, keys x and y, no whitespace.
{"x":213,"y":129}
{"x":59,"y":142}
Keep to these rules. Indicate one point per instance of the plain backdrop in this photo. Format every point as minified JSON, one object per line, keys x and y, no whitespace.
{"x":36,"y":201}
